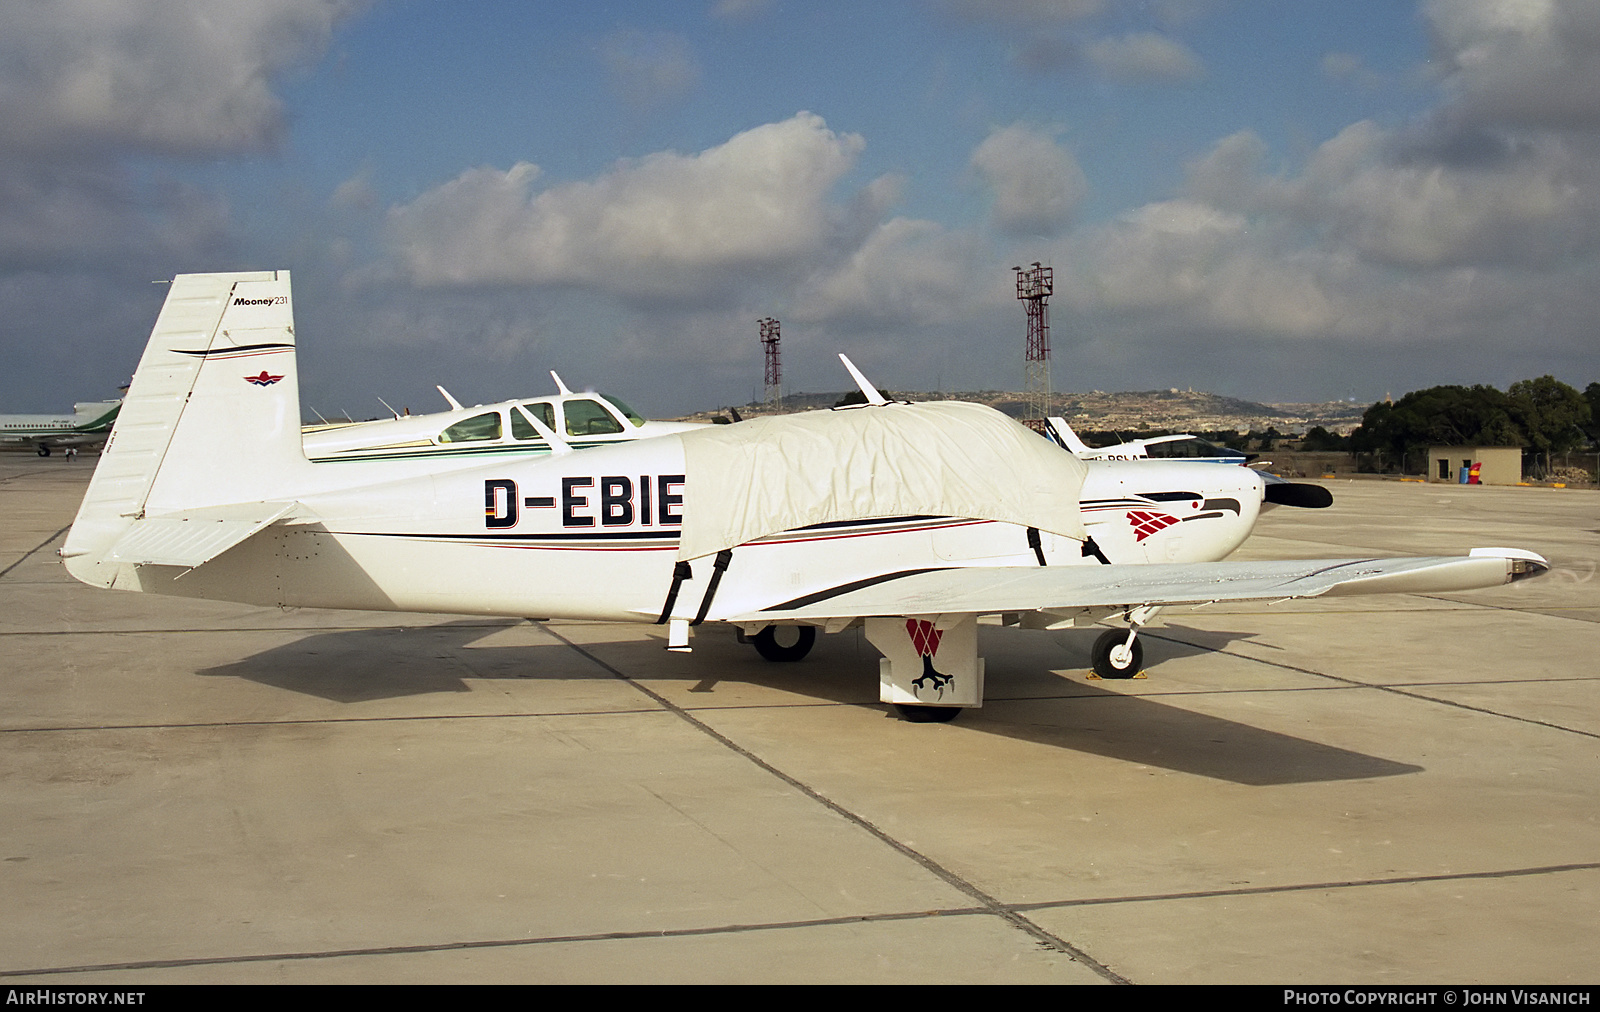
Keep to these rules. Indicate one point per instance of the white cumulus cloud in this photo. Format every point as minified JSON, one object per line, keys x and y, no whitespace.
{"x":1370,"y":191}
{"x":1144,"y":56}
{"x":1529,"y":63}
{"x":1037,"y":183}
{"x":181,"y":77}
{"x":668,"y":225}
{"x":907,"y":273}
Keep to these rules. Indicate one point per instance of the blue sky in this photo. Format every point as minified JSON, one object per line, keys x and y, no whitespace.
{"x":1273,"y":200}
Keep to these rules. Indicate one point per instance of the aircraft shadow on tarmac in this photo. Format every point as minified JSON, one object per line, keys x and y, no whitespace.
{"x":1028,"y":698}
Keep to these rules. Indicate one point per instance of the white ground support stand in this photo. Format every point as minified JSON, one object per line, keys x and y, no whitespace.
{"x":928,"y":663}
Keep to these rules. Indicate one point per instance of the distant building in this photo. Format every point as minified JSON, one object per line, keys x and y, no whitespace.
{"x":1502,"y":465}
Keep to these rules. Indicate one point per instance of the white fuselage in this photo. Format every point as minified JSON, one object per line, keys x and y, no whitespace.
{"x":594,"y":535}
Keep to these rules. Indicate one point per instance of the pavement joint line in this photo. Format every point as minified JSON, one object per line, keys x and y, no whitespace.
{"x":258,"y":629}
{"x":311,"y":721}
{"x":1337,"y":606}
{"x":1395,"y":689}
{"x":1521,"y":609}
{"x":154,"y":964}
{"x":499,"y":943}
{"x":989,"y":903}
{"x":727,"y":708}
{"x":34,"y":551}
{"x":1467,"y":876}
{"x":1266,"y":690}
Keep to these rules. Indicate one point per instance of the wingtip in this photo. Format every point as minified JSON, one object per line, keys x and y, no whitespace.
{"x":1521,"y":564}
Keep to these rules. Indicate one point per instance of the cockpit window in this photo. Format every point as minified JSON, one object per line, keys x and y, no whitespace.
{"x":520,"y":429}
{"x":1180,"y":448}
{"x":1171,"y":448}
{"x":478,"y":428}
{"x":627,"y":412}
{"x":588,"y":418}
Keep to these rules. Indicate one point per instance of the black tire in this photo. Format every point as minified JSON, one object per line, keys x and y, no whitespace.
{"x":44,"y":451}
{"x":779,"y":643}
{"x":1105,"y":667}
{"x":914,"y":714}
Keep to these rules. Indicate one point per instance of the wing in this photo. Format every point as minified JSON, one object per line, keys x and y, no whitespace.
{"x":983,"y":591}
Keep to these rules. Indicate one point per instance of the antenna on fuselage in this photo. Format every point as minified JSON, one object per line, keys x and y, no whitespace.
{"x":561,"y":388}
{"x":869,"y":391}
{"x":455,"y":405}
{"x":385,"y":403}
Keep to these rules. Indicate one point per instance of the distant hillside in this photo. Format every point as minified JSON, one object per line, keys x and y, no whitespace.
{"x":1129,"y":411}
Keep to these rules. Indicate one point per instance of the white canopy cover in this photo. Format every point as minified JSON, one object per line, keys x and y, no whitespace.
{"x":944,"y":458}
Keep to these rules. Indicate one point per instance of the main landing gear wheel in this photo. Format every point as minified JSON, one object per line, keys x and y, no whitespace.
{"x":914,"y":714}
{"x":785,"y":642}
{"x":1113,"y":658}
{"x":44,"y":451}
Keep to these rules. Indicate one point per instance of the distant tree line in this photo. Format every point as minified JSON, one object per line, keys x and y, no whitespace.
{"x":1320,"y":440}
{"x":1544,"y":416}
{"x":1317,"y":438}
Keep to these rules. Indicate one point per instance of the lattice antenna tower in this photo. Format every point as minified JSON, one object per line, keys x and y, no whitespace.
{"x":1034,"y":286}
{"x":770,"y":333}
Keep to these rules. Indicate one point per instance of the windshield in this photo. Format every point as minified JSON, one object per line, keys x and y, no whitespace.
{"x":588,"y":418}
{"x":627,"y":412}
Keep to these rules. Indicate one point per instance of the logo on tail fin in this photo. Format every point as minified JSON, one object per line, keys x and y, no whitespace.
{"x":266,"y":379}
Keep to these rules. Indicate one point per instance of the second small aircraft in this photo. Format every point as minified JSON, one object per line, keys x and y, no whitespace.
{"x":578,"y":421}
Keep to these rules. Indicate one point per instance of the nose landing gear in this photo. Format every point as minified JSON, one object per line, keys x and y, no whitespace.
{"x":1118,"y":654}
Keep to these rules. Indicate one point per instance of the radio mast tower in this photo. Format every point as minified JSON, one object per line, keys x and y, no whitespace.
{"x":1034,"y":287}
{"x":769,"y":339}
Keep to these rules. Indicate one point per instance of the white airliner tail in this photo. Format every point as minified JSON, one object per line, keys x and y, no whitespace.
{"x":212,"y":418}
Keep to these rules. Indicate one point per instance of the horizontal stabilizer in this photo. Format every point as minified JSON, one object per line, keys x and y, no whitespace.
{"x":987,"y":591}
{"x":195,"y":537}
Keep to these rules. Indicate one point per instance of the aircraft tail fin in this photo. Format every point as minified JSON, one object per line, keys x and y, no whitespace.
{"x":212,"y":416}
{"x":1066,"y":437}
{"x":94,"y":416}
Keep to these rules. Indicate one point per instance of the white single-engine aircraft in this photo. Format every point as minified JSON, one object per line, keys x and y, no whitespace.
{"x":1180,"y":446}
{"x":1190,"y":449}
{"x":912,"y":520}
{"x":583,"y":419}
{"x":88,"y":425}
